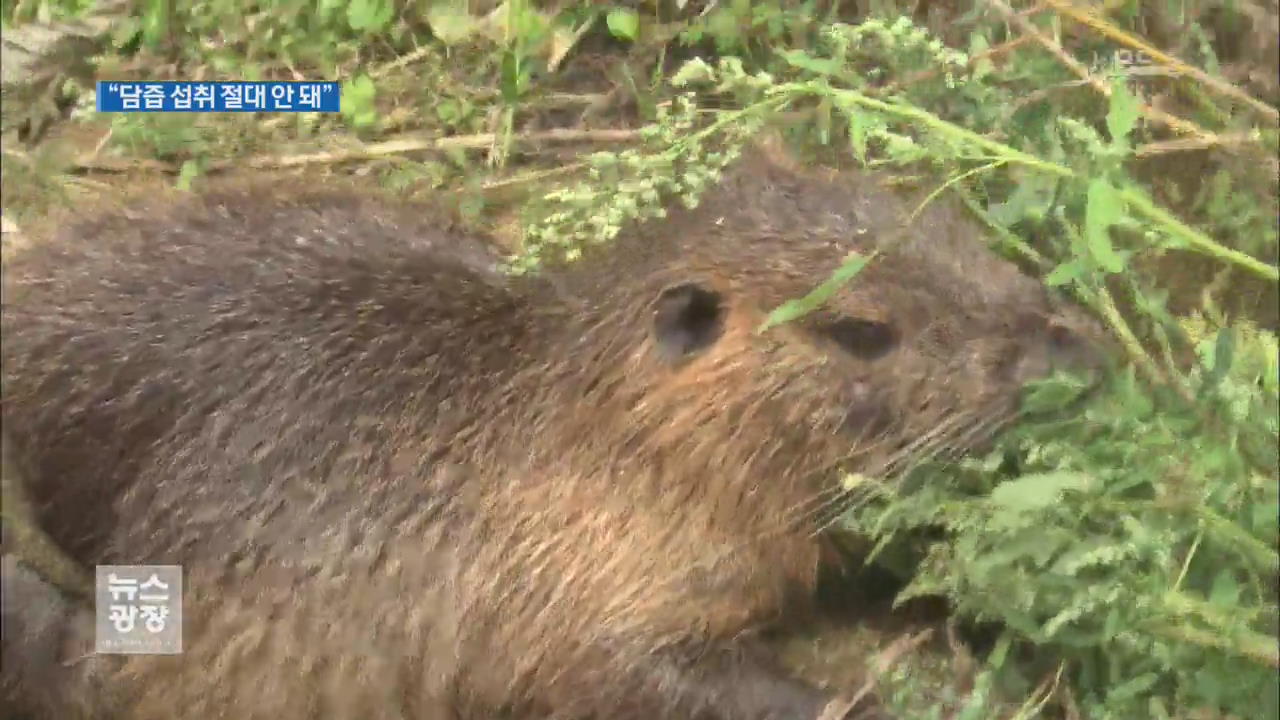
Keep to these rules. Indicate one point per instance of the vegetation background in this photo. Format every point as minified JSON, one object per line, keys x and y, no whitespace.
{"x":1123,"y":554}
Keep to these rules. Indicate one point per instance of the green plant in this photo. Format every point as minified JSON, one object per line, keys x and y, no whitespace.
{"x":678,"y":162}
{"x":19,"y":11}
{"x":1134,"y":539}
{"x":167,"y":137}
{"x":1132,"y":544}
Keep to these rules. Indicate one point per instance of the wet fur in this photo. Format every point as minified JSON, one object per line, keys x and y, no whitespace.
{"x":405,"y":485}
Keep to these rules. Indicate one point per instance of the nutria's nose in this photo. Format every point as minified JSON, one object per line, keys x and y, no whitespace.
{"x":1058,"y":347}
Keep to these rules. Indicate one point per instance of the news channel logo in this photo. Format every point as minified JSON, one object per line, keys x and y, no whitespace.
{"x":207,"y":97}
{"x":138,"y":609}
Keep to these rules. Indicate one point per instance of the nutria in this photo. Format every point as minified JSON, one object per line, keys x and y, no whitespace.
{"x":403,"y":484}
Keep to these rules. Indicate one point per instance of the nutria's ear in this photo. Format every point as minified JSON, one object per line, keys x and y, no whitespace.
{"x":687,"y":319}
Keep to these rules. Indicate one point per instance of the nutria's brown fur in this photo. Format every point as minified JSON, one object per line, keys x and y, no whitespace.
{"x":404,"y":485}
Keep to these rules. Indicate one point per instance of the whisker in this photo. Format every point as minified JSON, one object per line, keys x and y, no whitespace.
{"x":952,"y":435}
{"x":984,"y":430}
{"x":937,"y":434}
{"x":942,"y":445}
{"x":921,"y":445}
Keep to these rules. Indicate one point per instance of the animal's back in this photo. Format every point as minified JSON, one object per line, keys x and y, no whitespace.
{"x":237,"y":384}
{"x":240,"y":325}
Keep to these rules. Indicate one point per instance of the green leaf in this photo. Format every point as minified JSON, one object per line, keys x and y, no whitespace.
{"x":125,"y":32}
{"x":448,"y":110}
{"x":982,"y":67}
{"x":1225,"y":592}
{"x":1133,"y":687}
{"x":450,"y":22}
{"x":528,"y":28}
{"x":1036,"y":544}
{"x":1223,"y":355}
{"x":369,"y":15}
{"x":1032,"y":198}
{"x":723,"y":25}
{"x":1104,"y":209}
{"x":1053,"y":393}
{"x":858,"y":135}
{"x":357,"y":102}
{"x":805,"y":61}
{"x":515,"y":76}
{"x":1210,"y":684}
{"x":795,"y":309}
{"x":1265,"y":516}
{"x":693,"y":71}
{"x":189,"y":171}
{"x":624,"y":23}
{"x":155,"y":22}
{"x":359,"y":91}
{"x":1000,"y":653}
{"x":1064,"y":274}
{"x":823,"y":121}
{"x":1123,"y":112}
{"x":1035,"y":492}
{"x":1111,"y":625}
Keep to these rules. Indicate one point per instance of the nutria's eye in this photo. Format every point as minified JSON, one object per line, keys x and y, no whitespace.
{"x":1069,"y":351}
{"x":686,"y":319}
{"x":1061,"y":339}
{"x":865,"y":339}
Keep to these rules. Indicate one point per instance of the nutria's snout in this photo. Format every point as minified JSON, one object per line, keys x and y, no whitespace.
{"x":1056,"y":348}
{"x":1076,"y":353}
{"x":1074,"y":346}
